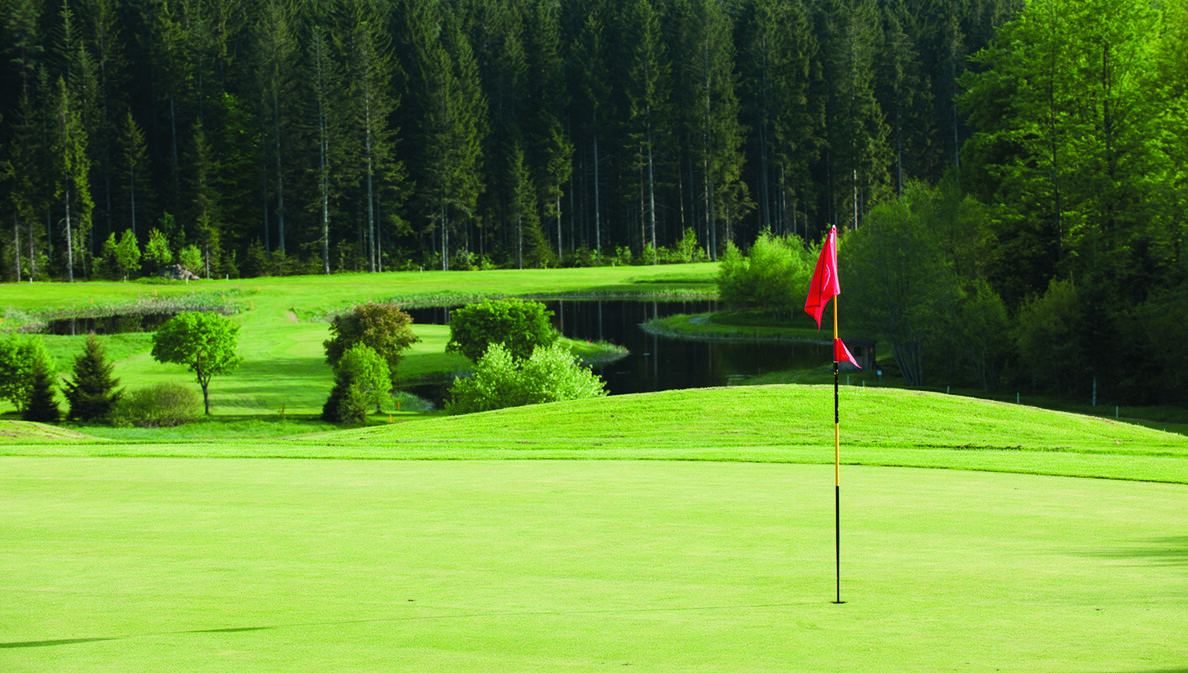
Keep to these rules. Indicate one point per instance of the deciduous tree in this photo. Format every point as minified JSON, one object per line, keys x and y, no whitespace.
{"x":203,"y":341}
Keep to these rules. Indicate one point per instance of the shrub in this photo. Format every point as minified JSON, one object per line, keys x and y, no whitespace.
{"x":361,"y":381}
{"x":550,"y":374}
{"x":519,"y":326}
{"x":383,"y":327}
{"x":160,"y":406}
{"x":772,"y":279}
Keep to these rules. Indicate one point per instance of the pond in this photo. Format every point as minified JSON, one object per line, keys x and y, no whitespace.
{"x":107,"y":324}
{"x":656,"y":363}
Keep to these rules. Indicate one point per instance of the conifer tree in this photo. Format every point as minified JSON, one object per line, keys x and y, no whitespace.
{"x":92,"y":392}
{"x":42,"y":406}
{"x":74,"y":178}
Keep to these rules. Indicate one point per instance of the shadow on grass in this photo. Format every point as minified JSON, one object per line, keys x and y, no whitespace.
{"x":1165,"y":551}
{"x":464,"y":614}
{"x":52,"y":643}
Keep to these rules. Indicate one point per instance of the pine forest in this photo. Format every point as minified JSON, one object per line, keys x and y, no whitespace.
{"x":1027,"y":158}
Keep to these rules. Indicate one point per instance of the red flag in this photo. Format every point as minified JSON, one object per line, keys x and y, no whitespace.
{"x":842,"y":354}
{"x":824,"y":285}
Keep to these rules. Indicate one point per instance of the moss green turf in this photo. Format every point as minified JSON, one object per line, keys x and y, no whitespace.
{"x":170,"y":564}
{"x":682,"y":531}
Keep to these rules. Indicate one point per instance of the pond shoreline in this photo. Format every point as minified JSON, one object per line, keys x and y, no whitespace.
{"x":688,"y":327}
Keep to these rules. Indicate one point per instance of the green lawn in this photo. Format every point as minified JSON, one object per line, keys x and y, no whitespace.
{"x":284,"y":322}
{"x":785,"y":423}
{"x":680,"y":531}
{"x":169,"y":564}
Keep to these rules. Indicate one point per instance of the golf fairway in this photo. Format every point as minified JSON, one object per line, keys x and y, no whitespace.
{"x":171,"y":564}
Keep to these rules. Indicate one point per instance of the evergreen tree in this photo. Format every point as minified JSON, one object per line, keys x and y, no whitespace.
{"x":368,"y":69}
{"x":647,"y":100}
{"x":74,"y":175}
{"x":42,"y":406}
{"x":549,"y":147}
{"x":133,"y":165}
{"x":276,"y":59}
{"x":451,"y":131}
{"x":92,"y":393}
{"x":856,"y":130}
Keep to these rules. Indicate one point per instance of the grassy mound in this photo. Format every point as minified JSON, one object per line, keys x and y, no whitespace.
{"x":790,"y":424}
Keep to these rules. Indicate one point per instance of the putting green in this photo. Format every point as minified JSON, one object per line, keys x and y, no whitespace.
{"x":169,"y":564}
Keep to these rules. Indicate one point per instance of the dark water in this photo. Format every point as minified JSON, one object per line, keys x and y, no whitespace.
{"x":108,"y":324}
{"x":656,"y":363}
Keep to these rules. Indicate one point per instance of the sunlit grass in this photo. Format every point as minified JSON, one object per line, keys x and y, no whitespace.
{"x":476,"y":566}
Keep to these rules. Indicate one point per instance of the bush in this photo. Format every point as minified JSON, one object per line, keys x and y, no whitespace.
{"x":160,"y":406}
{"x":519,"y":326}
{"x":361,"y":381}
{"x":383,"y":327}
{"x":774,"y":278}
{"x":550,"y":374}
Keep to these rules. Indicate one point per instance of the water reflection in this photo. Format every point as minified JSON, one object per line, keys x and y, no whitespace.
{"x":121,"y":323}
{"x":658,"y":363}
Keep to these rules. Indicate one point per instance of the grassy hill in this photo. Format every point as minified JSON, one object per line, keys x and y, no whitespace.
{"x":782,"y":423}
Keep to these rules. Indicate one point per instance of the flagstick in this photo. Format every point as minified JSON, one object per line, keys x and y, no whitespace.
{"x":836,"y":461}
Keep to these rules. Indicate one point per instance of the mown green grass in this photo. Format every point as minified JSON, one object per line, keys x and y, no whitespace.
{"x":280,"y":565}
{"x":679,"y":531}
{"x":283,"y":322}
{"x":754,"y":423}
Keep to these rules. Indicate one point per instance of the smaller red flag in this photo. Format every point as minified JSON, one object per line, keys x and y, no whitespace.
{"x":842,"y":354}
{"x":824,"y":285}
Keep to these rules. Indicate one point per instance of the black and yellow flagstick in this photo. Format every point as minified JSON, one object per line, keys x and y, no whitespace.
{"x":836,"y":460}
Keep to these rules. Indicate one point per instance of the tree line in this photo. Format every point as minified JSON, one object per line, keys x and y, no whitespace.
{"x":283,"y":136}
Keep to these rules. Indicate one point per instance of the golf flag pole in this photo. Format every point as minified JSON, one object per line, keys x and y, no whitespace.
{"x":836,"y":461}
{"x":825,"y":286}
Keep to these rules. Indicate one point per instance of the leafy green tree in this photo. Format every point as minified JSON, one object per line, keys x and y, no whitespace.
{"x":1066,"y":147}
{"x":985,"y":334}
{"x":203,"y":341}
{"x":550,"y":374}
{"x":647,"y":98}
{"x":519,"y":326}
{"x":361,"y":380}
{"x":190,"y":257}
{"x":1048,"y":337}
{"x":1162,"y":327}
{"x":42,"y":405}
{"x":127,"y":254}
{"x":92,"y":392}
{"x":710,"y":83}
{"x":19,"y":356}
{"x":382,"y":327}
{"x":156,"y":251}
{"x":896,"y":280}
